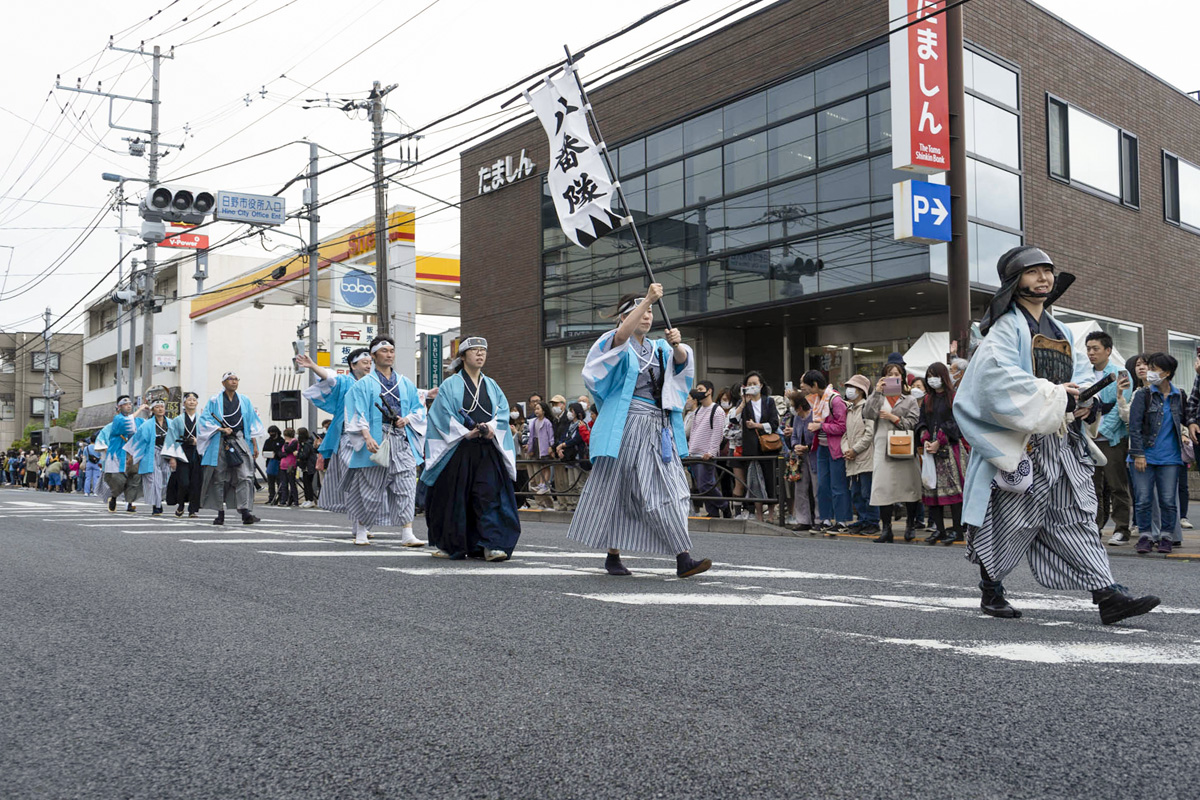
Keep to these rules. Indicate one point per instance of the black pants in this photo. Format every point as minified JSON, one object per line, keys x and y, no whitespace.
{"x":939,"y":517}
{"x":885,"y":515}
{"x":273,"y":485}
{"x":186,"y":481}
{"x":287,"y":488}
{"x":310,"y":494}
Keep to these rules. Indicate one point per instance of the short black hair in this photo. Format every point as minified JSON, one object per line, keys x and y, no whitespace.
{"x":1163,"y":361}
{"x":186,"y":395}
{"x":814,"y":377}
{"x":273,"y":430}
{"x":355,"y":354}
{"x":707,"y":384}
{"x":1100,"y":336}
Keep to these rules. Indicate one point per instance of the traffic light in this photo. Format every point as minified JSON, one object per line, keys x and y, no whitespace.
{"x":802,"y":267}
{"x":177,"y":204}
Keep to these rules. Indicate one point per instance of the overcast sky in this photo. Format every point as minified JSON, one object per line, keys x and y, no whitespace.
{"x":451,"y":53}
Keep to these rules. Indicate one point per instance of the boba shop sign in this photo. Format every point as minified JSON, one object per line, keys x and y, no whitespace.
{"x":354,"y":290}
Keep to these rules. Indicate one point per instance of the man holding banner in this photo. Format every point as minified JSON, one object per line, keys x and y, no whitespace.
{"x":637,"y":497}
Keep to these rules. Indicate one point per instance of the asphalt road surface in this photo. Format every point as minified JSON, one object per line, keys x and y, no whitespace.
{"x":157,"y":658}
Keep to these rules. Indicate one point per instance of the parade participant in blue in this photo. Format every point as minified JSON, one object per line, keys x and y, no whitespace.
{"x":120,"y":470}
{"x":93,"y":467}
{"x":183,"y":459}
{"x":1029,"y":491}
{"x":147,"y":447}
{"x":471,"y":463}
{"x":637,"y":496}
{"x":227,"y":434}
{"x":329,"y":395}
{"x":383,"y":441}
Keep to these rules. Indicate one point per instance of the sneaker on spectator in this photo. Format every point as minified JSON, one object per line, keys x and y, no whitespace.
{"x":1144,"y":545}
{"x":1164,"y":545}
{"x":792,"y":521}
{"x":1183,"y":523}
{"x":744,"y":515}
{"x":1118,"y":539}
{"x":542,"y":488}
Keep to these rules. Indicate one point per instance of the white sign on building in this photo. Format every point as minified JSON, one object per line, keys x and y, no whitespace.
{"x":166,"y":350}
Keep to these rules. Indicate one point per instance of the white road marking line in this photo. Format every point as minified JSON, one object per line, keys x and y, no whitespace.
{"x":29,"y":504}
{"x":1023,"y":603}
{"x":333,"y":553}
{"x":708,"y":600}
{"x":493,"y":570}
{"x":246,"y":541}
{"x":1064,"y":652}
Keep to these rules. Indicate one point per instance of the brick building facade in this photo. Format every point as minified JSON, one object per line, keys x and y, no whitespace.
{"x":1136,"y":270}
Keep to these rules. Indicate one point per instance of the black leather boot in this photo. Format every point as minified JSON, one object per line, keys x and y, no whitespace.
{"x":1117,"y":604}
{"x":885,"y":537}
{"x":910,"y":532}
{"x":220,"y":518}
{"x":993,"y":603}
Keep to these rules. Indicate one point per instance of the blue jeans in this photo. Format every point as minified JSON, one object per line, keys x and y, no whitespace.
{"x":833,"y":493}
{"x":1162,"y":479}
{"x":860,"y":496}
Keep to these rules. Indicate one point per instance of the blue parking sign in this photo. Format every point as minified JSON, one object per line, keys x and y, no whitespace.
{"x":921,"y":212}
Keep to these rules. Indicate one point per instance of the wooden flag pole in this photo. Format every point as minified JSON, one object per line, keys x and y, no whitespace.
{"x":612,"y":176}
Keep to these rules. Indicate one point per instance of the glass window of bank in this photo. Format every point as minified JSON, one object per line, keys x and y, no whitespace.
{"x":780,"y":195}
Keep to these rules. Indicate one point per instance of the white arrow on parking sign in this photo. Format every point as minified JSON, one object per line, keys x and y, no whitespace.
{"x":921,"y":206}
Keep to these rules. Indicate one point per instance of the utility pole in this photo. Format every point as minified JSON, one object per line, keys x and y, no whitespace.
{"x":148,"y":306}
{"x":133,"y":301}
{"x":958,"y":257}
{"x":381,"y":237}
{"x":313,"y":263}
{"x":137,"y":148}
{"x":46,"y":394}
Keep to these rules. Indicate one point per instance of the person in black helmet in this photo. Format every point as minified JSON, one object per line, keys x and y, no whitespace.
{"x":1029,"y":491}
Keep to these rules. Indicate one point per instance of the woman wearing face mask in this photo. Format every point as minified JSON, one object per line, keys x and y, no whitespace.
{"x":940,"y":438}
{"x":829,"y":426}
{"x":858,"y":450}
{"x":758,"y":415}
{"x":574,"y":452}
{"x":802,"y":465}
{"x":918,"y":388}
{"x":704,"y":443}
{"x":894,"y":480}
{"x":516,"y":421}
{"x":1156,"y":450}
{"x":731,"y":446}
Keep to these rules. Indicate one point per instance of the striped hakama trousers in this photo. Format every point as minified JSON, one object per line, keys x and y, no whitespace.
{"x":635,"y":501}
{"x":333,"y":493}
{"x":382,"y":497}
{"x":154,"y":484}
{"x":127,"y":483}
{"x":1053,"y":526}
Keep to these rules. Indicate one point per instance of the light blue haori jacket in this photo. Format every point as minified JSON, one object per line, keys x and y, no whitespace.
{"x":116,"y":435}
{"x":446,"y":431}
{"x":611,"y":375}
{"x":141,"y":446}
{"x":1000,"y":404}
{"x":210,"y":422}
{"x":329,"y":395}
{"x":362,"y":413}
{"x":173,"y":441}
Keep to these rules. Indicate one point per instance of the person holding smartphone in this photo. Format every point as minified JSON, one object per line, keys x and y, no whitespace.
{"x":1112,"y":439}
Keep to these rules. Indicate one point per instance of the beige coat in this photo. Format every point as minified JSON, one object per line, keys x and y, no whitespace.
{"x":859,"y":437}
{"x":895,"y":480}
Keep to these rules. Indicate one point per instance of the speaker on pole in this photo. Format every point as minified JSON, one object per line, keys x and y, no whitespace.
{"x":286,"y":405}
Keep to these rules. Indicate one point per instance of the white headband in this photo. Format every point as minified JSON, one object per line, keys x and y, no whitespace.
{"x":361,"y":356}
{"x":159,"y":402}
{"x":471,"y":343}
{"x":123,"y":399}
{"x":629,"y":305}
{"x":227,"y":376}
{"x":383,"y":343}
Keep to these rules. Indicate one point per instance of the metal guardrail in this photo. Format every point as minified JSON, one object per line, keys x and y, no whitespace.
{"x":536,"y":467}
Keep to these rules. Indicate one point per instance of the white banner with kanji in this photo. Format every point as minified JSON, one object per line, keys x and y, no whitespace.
{"x":578,"y":179}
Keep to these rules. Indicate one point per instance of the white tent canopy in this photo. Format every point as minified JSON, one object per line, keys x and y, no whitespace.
{"x":933,"y":346}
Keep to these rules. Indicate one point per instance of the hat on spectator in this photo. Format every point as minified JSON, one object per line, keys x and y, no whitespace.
{"x":558,"y":398}
{"x":896,"y":358}
{"x":861,"y":383}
